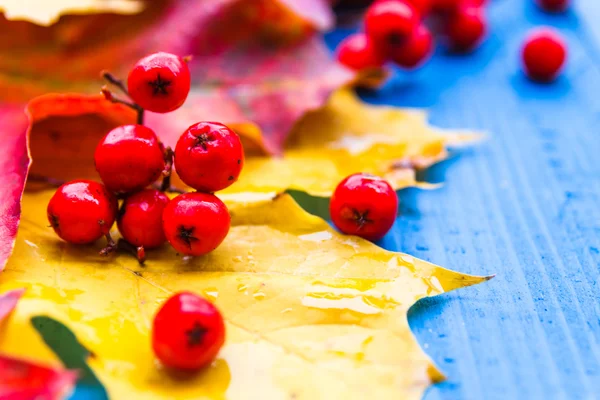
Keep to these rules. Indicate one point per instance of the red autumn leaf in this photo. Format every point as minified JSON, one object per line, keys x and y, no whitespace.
{"x":23,"y":380}
{"x":14,"y":166}
{"x":8,"y":302}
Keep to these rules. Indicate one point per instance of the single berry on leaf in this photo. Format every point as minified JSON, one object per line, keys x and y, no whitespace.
{"x":415,"y":50}
{"x":159,"y":82}
{"x":209,"y":156}
{"x":466,"y":28}
{"x":129,"y":158}
{"x":390,"y":22}
{"x":195,"y":223}
{"x":82,"y":211}
{"x":140,"y":218}
{"x":358,"y":53}
{"x":543,"y":54}
{"x":554,"y":5}
{"x":364,"y":205}
{"x":188,"y":331}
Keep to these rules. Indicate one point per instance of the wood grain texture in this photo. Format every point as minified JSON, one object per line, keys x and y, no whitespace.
{"x":525,"y":205}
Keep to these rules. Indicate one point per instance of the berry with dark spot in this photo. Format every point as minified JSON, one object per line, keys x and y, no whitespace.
{"x":364,"y":205}
{"x":544,"y":54}
{"x":188,"y":332}
{"x":82,"y":211}
{"x":195,"y":223}
{"x":159,"y":82}
{"x":554,"y":6}
{"x":446,"y":6}
{"x":209,"y":156}
{"x":390,"y":22}
{"x":415,"y":50}
{"x":140,"y":218}
{"x":358,"y":53}
{"x":129,"y":158}
{"x":466,"y":28}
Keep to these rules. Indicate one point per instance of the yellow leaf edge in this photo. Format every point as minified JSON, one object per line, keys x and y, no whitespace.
{"x":47,"y":13}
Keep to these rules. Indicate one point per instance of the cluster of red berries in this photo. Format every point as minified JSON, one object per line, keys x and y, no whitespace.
{"x":395,"y":30}
{"x":208,"y":157}
{"x":188,"y":331}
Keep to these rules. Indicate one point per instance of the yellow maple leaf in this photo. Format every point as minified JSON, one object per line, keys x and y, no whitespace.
{"x":310,"y":313}
{"x":347,"y":136}
{"x":47,"y":12}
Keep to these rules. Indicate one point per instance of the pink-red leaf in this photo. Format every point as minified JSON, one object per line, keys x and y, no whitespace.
{"x":24,"y":380}
{"x":8,"y":302}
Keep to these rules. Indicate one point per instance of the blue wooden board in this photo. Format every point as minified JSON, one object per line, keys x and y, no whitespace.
{"x":525,"y":205}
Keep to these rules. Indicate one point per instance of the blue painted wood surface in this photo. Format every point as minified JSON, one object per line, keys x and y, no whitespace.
{"x":525,"y":205}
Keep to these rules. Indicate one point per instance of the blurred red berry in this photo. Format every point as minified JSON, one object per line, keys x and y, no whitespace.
{"x":544,"y":54}
{"x":188,"y":331}
{"x":475,"y":3}
{"x":159,"y":82}
{"x":358,"y":53}
{"x":554,"y":5}
{"x":415,"y":50}
{"x":140,"y":218}
{"x":390,"y":22}
{"x":446,"y":6}
{"x":129,"y":158}
{"x":364,"y":205}
{"x":423,"y":7}
{"x":82,"y":211}
{"x":466,"y":28}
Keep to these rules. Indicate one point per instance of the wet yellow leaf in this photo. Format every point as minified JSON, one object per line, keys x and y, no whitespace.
{"x":348,"y":136}
{"x":47,"y":12}
{"x":311,"y":314}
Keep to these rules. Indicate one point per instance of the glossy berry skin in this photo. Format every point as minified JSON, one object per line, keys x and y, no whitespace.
{"x":415,"y":50}
{"x":129,"y":158}
{"x":140,"y":218}
{"x":390,"y":22}
{"x":466,"y":28}
{"x":364,"y":205}
{"x":209,"y":156}
{"x":159,"y":82}
{"x":358,"y":53}
{"x":82,"y":211}
{"x":196,"y":223}
{"x":543,"y":54}
{"x":188,"y":331}
{"x":555,"y":6}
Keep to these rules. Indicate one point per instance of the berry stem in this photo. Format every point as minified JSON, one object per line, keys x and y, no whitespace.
{"x":166,"y":183}
{"x":44,"y":179}
{"x":170,"y":189}
{"x":138,"y":252}
{"x":110,"y":248}
{"x":110,"y":78}
{"x":140,"y":115}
